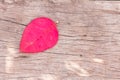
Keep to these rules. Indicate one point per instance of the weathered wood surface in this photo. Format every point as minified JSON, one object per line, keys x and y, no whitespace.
{"x":88,"y":47}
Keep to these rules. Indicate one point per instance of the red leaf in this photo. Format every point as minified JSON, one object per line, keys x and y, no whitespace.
{"x":39,"y":35}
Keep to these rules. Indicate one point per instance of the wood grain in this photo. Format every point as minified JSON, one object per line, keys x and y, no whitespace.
{"x":88,"y":47}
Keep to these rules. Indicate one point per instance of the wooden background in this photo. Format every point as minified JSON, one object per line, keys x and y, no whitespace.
{"x":88,"y":47}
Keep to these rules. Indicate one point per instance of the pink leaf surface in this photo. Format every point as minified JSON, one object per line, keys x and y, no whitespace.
{"x":39,"y":35}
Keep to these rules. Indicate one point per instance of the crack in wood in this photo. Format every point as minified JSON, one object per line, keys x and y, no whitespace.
{"x":12,"y":22}
{"x":63,"y":54}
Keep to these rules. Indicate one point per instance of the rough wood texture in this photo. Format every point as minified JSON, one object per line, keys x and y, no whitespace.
{"x":88,"y":47}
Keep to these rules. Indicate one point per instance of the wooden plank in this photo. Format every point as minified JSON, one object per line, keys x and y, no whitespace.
{"x":88,"y":47}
